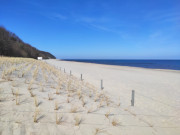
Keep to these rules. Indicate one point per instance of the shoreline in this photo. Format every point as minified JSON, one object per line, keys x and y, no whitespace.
{"x":121,"y":77}
{"x":158,"y":69}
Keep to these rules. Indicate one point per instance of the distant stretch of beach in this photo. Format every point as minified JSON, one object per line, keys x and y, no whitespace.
{"x":157,"y":93}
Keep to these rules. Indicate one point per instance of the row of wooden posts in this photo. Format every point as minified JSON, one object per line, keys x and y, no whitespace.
{"x":132,"y":95}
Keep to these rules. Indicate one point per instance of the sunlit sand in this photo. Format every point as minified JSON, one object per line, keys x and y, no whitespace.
{"x":38,"y":97}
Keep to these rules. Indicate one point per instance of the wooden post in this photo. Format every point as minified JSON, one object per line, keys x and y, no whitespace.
{"x":64,"y":71}
{"x":81,"y":77}
{"x":132,"y":98}
{"x":60,"y":68}
{"x":102,"y":85}
{"x":70,"y":72}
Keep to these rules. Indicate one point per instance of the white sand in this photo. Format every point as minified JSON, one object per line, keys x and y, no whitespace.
{"x":157,"y":95}
{"x":22,"y":77}
{"x":156,"y":110}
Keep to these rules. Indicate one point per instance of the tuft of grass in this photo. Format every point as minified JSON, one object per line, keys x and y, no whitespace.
{"x":96,"y":99}
{"x":35,"y":73}
{"x":30,"y":85}
{"x":74,"y":109}
{"x":107,"y":114}
{"x":69,"y":85}
{"x":59,"y":119}
{"x":115,"y":122}
{"x":23,"y":73}
{"x":108,"y":102}
{"x":53,"y":87}
{"x":90,"y":110}
{"x":56,"y":106}
{"x":79,"y":93}
{"x":78,"y":120}
{"x":17,"y":97}
{"x":119,"y":103}
{"x":100,"y":104}
{"x":101,"y":95}
{"x":90,"y":95}
{"x":57,"y":90}
{"x":9,"y":78}
{"x":83,"y":102}
{"x":36,"y":113}
{"x":12,"y":90}
{"x":68,"y":100}
{"x":50,"y":96}
{"x":98,"y":130}
{"x":69,"y":95}
{"x":32,"y":95}
{"x":36,"y":101}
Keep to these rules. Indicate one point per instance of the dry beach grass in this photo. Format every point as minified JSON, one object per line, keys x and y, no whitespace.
{"x":38,"y":98}
{"x":41,"y":92}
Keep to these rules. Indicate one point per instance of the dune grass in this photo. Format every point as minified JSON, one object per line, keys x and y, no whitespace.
{"x":41,"y":77}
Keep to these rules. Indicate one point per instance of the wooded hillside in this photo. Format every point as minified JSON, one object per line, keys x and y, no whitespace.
{"x":12,"y":45}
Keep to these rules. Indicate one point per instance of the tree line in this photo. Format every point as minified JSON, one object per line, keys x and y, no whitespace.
{"x":12,"y":45}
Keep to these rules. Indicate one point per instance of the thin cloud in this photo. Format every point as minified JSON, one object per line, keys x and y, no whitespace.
{"x":94,"y":20}
{"x":101,"y":28}
{"x":95,"y":23}
{"x":40,"y":6}
{"x":155,"y":35}
{"x":100,"y":24}
{"x":172,"y":19}
{"x":122,"y":34}
{"x":53,"y":16}
{"x":163,"y":16}
{"x":59,"y":16}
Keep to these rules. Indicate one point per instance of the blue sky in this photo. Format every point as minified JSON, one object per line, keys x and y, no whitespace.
{"x":97,"y":29}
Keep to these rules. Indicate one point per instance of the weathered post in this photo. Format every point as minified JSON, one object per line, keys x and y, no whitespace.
{"x":64,"y":70}
{"x":102,"y":85}
{"x":132,"y":98}
{"x":81,"y":77}
{"x":70,"y":72}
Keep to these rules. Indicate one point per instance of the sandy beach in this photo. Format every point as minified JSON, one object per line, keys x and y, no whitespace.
{"x":89,"y":67}
{"x":157,"y":91}
{"x":39,"y":98}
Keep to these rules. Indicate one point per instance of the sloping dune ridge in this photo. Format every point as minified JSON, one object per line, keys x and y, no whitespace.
{"x":49,"y":97}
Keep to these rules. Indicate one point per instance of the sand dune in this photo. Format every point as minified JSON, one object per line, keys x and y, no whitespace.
{"x":37,"y":98}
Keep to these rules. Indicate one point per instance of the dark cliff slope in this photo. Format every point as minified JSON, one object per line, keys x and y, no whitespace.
{"x":12,"y":45}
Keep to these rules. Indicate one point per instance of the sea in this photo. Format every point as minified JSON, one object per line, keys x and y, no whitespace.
{"x":153,"y":64}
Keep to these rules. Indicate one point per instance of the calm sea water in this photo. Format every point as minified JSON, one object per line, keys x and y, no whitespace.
{"x":155,"y":64}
